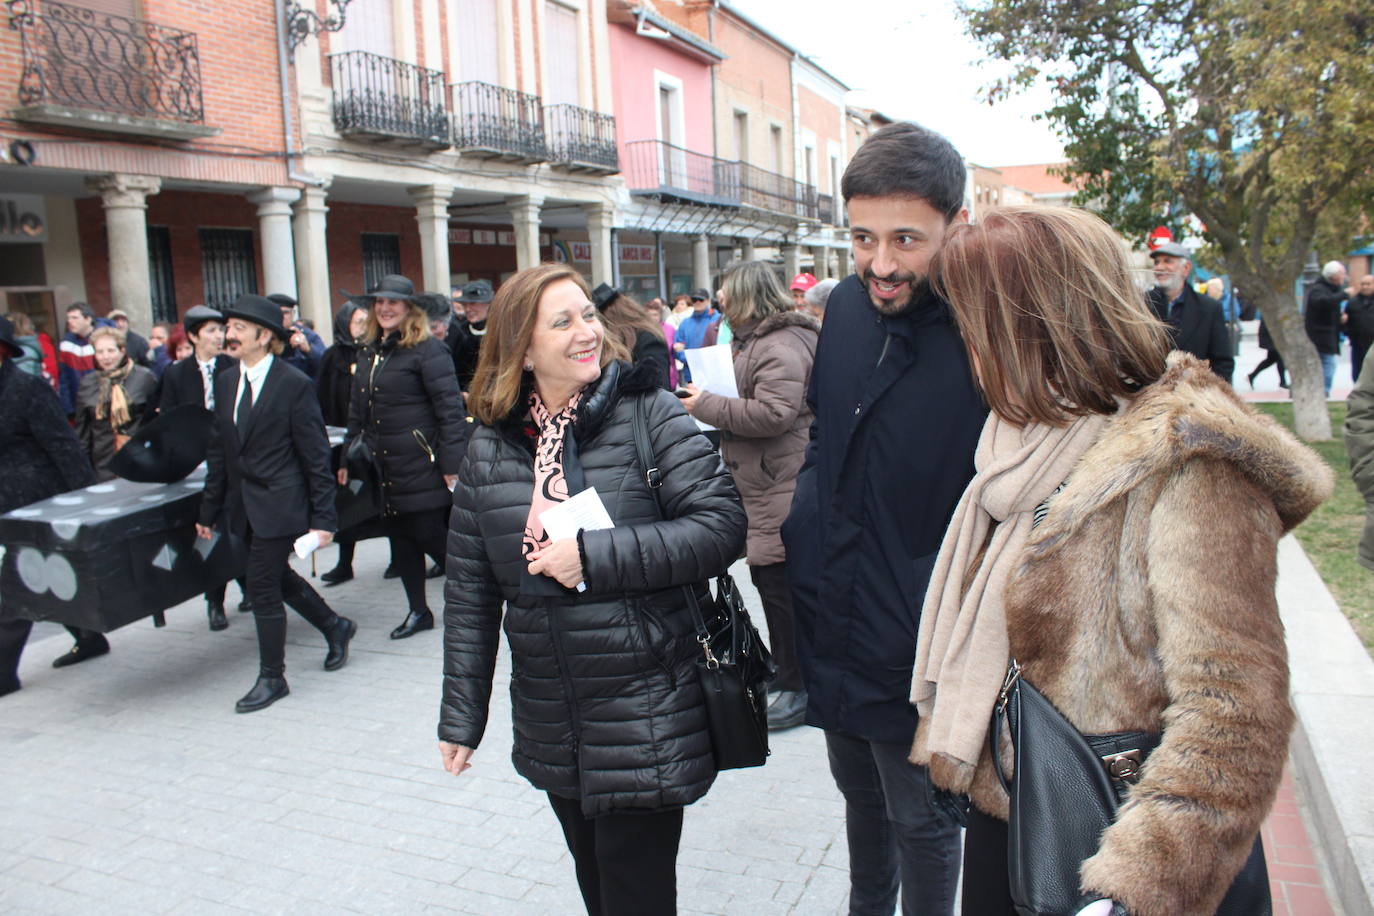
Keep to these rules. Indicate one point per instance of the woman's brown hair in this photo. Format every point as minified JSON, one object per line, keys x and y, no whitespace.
{"x":500,"y":371}
{"x":752,"y":291}
{"x":414,"y":326}
{"x":1052,"y":321}
{"x":624,"y":316}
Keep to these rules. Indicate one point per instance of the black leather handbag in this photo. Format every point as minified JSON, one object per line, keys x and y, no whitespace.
{"x":735,"y":665}
{"x":1065,"y":789}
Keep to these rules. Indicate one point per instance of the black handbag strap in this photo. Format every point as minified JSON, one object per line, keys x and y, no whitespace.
{"x":653,"y":477}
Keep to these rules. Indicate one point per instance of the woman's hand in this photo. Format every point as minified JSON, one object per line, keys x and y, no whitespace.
{"x":559,"y":561}
{"x":689,"y":403}
{"x":342,"y":476}
{"x":455,"y":757}
{"x":204,"y":531}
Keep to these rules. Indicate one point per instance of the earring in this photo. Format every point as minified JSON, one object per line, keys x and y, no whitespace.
{"x":529,"y":367}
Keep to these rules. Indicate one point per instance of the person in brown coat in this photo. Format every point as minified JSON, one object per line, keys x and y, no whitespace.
{"x":764,"y":436}
{"x":1119,"y":542}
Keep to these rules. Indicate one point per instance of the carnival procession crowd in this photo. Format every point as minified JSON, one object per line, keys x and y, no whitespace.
{"x":984,"y":447}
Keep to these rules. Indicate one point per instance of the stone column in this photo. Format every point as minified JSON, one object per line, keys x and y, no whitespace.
{"x":820,"y":259}
{"x":312,"y":261}
{"x":600,"y":222}
{"x":274,"y":230}
{"x":431,"y":213}
{"x":746,"y":250}
{"x":791,"y":261}
{"x":524,"y":218}
{"x":842,"y":262}
{"x":125,"y":198}
{"x":701,"y":263}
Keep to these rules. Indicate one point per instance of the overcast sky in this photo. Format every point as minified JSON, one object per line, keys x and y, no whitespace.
{"x":911,"y":59}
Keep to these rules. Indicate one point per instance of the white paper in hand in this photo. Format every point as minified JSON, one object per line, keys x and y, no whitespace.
{"x":307,"y":544}
{"x":583,"y":512}
{"x":713,"y":370}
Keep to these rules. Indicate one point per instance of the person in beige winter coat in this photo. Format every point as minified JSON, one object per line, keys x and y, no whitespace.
{"x":1119,"y":541}
{"x":764,"y":435}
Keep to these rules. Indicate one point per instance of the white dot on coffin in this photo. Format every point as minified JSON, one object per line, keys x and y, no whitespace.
{"x":27,"y":513}
{"x":66,"y":528}
{"x":151,"y":498}
{"x":107,"y":510}
{"x":194,"y":485}
{"x":68,"y":500}
{"x":33,"y":570}
{"x":166,"y":558}
{"x":101,"y":488}
{"x":61,"y":578}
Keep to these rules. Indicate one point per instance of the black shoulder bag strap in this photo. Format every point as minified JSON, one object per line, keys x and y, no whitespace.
{"x":653,"y":477}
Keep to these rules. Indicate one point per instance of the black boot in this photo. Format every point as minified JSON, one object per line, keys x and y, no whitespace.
{"x":413,"y":624}
{"x":788,"y":710}
{"x":338,"y":639}
{"x":88,"y":645}
{"x":245,"y":606}
{"x":215,"y":611}
{"x":265,"y":692}
{"x":337,"y":575}
{"x":435,"y":571}
{"x":9,"y":686}
{"x":391,"y":572}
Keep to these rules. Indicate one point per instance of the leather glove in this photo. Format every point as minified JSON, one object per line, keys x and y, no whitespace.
{"x":953,"y":807}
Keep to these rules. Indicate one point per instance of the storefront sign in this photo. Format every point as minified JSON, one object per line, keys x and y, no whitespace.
{"x":489,"y":237}
{"x":23,"y":218}
{"x":581,"y":252}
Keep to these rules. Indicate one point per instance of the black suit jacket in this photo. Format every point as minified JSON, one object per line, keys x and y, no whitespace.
{"x":277,"y":479}
{"x":1203,"y":330}
{"x":182,"y":382}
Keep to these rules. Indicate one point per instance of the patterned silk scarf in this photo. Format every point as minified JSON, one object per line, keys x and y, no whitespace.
{"x":550,"y":486}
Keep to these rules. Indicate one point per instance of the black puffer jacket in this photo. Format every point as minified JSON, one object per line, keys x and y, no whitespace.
{"x":605,"y":699}
{"x":406,"y":404}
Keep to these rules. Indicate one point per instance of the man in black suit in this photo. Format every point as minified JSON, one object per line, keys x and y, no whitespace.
{"x":191,"y":381}
{"x":1196,"y":322}
{"x":269,"y":479}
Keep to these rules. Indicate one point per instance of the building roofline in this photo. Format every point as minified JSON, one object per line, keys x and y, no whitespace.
{"x":647,"y":14}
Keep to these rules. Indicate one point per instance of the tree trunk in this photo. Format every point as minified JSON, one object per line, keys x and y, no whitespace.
{"x":1311,"y":419}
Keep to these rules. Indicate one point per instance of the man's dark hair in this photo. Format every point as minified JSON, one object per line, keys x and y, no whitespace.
{"x":83,"y":308}
{"x":907,"y":160}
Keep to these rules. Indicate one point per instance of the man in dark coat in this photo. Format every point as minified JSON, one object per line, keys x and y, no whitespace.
{"x":1359,"y":323}
{"x":1322,"y":317}
{"x":897,"y":420}
{"x":269,"y":482}
{"x":41,"y":457}
{"x":191,"y":381}
{"x":1196,"y":322}
{"x":465,"y":333}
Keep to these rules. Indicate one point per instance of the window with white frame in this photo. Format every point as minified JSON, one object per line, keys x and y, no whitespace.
{"x":367,"y":27}
{"x":563,"y":84}
{"x":473,"y":30}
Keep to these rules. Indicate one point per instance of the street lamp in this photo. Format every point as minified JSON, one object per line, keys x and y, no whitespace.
{"x":301,"y":23}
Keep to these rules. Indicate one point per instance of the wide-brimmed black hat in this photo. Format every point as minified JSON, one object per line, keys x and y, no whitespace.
{"x":7,"y":338}
{"x":604,"y":295}
{"x":167,"y":449}
{"x":392,"y":286}
{"x":197,"y":315}
{"x":258,"y":310}
{"x":436,"y":306}
{"x":477,"y":291}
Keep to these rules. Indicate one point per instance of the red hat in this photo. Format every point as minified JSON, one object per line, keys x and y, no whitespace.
{"x":803,"y":282}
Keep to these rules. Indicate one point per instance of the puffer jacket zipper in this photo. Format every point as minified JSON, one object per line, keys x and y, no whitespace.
{"x":642,"y":607}
{"x":556,"y":636}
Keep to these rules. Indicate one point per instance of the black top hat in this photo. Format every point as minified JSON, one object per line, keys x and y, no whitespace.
{"x":258,"y":310}
{"x":7,"y":338}
{"x":604,"y":295}
{"x":197,"y":315}
{"x":168,"y":448}
{"x":701,"y":295}
{"x":477,"y":291}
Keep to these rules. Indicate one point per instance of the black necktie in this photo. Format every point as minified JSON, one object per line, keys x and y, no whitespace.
{"x":245,"y":408}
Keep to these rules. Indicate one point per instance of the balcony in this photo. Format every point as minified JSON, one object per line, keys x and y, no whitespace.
{"x":581,"y":140}
{"x":492,"y":122}
{"x":676,"y":175}
{"x":825,"y":209}
{"x":764,"y":190}
{"x":98,"y":71}
{"x":381,"y":99}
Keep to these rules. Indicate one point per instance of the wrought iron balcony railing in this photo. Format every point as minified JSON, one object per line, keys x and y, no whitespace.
{"x":676,"y":174}
{"x":496,"y":122}
{"x":376,"y":96}
{"x":77,"y":59}
{"x":776,"y":193}
{"x":825,"y":209}
{"x":580,"y":138}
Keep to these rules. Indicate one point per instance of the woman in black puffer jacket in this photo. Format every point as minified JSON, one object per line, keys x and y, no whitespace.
{"x":607,"y":707}
{"x":407,"y":407}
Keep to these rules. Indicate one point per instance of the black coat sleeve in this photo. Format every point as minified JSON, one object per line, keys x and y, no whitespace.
{"x":312,"y":447}
{"x":48,"y":424}
{"x":472,"y":620}
{"x":441,"y":385}
{"x":1219,"y":350}
{"x":705,"y":522}
{"x":216,"y":481}
{"x":651,"y":348}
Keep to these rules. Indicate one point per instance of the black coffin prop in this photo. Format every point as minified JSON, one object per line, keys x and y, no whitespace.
{"x":110,"y":554}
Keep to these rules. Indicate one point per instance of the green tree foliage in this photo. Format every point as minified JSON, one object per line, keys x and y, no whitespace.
{"x":1256,"y":116}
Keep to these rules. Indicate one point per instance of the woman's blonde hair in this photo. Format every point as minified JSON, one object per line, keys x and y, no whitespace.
{"x":114,"y":334}
{"x":1051,"y":318}
{"x":500,"y":374}
{"x":414,"y":326}
{"x":753,"y":291}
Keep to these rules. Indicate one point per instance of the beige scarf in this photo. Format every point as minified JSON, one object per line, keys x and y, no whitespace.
{"x":962,"y":647}
{"x":114,"y":401}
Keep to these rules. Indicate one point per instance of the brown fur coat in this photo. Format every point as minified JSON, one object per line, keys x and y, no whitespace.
{"x":1146,"y":602}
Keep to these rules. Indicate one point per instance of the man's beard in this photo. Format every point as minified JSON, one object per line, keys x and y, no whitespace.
{"x":1171,"y":285}
{"x":917,"y":286}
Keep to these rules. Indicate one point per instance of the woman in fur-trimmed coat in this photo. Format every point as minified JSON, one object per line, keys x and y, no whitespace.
{"x":1119,"y":541}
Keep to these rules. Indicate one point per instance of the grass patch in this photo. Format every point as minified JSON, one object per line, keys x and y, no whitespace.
{"x":1331,"y":534}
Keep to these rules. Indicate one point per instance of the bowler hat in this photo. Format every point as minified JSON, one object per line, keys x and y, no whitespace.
{"x":282,"y":300}
{"x":701,"y":295}
{"x":260,"y":311}
{"x":477,"y":291}
{"x":392,"y":286}
{"x":197,"y":315}
{"x":7,"y":338}
{"x":604,"y":295}
{"x":1174,"y":249}
{"x":168,"y":448}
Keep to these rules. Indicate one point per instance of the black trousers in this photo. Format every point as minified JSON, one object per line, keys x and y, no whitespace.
{"x":272,"y":581}
{"x":626,"y":862}
{"x":771,"y":581}
{"x":987,"y":892}
{"x":412,"y":536}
